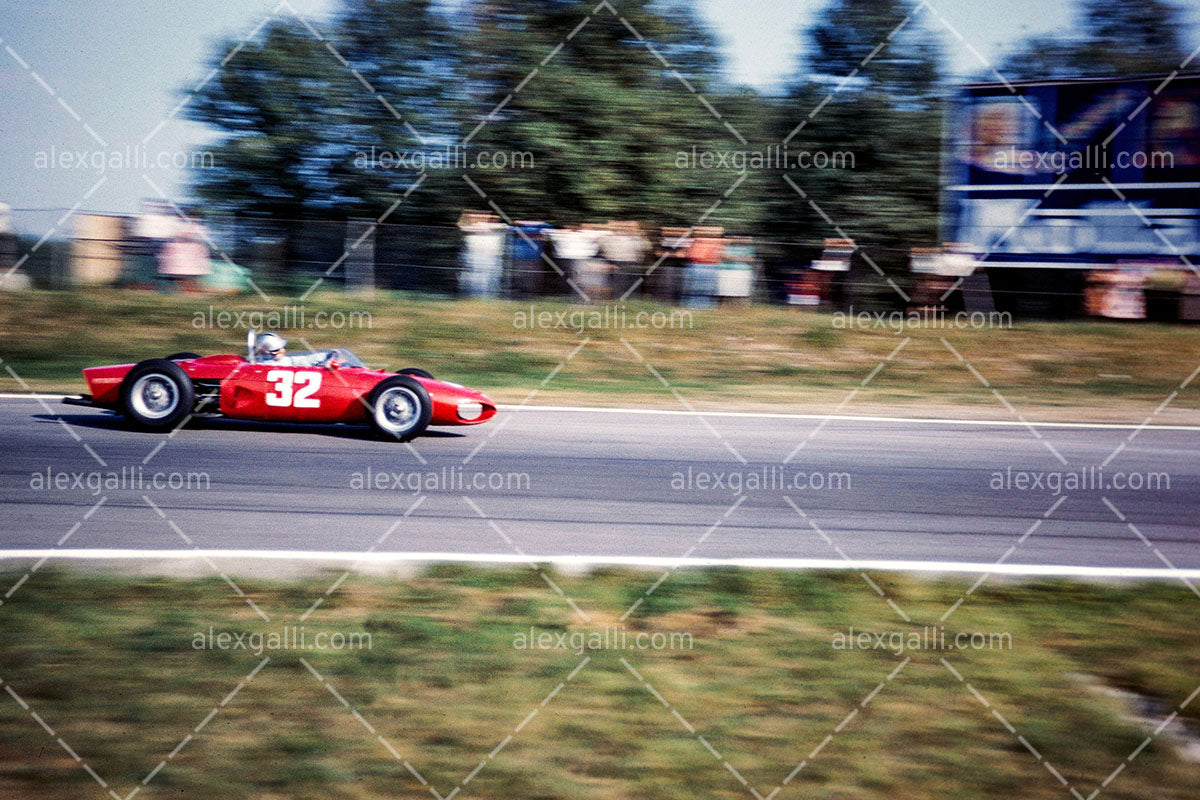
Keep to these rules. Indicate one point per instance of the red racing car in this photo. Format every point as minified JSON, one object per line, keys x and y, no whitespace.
{"x":331,"y":386}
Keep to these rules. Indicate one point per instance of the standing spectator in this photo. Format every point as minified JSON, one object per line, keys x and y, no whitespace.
{"x":624,"y":248}
{"x":735,"y":278}
{"x":482,"y":254}
{"x":186,"y":259}
{"x":666,"y":279}
{"x":704,"y":254}
{"x":575,"y":252}
{"x":527,"y":271}
{"x":153,"y":228}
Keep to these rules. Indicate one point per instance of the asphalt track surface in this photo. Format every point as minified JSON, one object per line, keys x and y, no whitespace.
{"x":605,"y":484}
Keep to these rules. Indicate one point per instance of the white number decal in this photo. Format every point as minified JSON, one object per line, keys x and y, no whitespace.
{"x":294,"y":389}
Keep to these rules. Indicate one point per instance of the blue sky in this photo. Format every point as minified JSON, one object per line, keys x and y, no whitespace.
{"x":124,"y":69}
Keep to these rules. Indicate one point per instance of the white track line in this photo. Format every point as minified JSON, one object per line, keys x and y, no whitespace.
{"x":31,"y":396}
{"x":377,"y":558}
{"x":990,"y":423}
{"x":996,"y":423}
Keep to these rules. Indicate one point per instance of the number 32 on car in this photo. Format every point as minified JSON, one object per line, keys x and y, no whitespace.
{"x":293,"y":389}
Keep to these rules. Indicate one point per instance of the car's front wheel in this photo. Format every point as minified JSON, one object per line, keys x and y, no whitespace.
{"x":420,"y":373}
{"x":400,"y":408}
{"x":157,"y":395}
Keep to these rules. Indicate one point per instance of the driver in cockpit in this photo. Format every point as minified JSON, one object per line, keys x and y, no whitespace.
{"x":271,"y":348}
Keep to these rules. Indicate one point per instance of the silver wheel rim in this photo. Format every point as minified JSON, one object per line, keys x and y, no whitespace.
{"x":397,"y":410}
{"x":154,"y":396}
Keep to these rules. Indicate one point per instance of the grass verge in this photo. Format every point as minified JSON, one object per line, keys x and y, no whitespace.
{"x":111,"y":666}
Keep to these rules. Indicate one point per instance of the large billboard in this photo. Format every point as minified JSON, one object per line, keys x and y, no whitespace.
{"x":1076,"y":173}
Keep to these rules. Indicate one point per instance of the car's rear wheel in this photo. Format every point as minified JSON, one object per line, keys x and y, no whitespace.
{"x":420,"y":373}
{"x":184,"y":356}
{"x":400,"y":408}
{"x":157,"y":395}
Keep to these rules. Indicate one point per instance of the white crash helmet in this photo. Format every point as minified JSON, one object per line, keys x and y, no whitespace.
{"x":267,"y":344}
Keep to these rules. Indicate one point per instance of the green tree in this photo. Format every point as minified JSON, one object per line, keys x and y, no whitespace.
{"x":296,"y":122}
{"x":605,"y":119}
{"x":407,"y":52}
{"x":871,"y":87}
{"x":1110,"y":37}
{"x":276,"y":106}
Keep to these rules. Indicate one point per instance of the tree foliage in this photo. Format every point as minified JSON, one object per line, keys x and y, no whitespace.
{"x":606,"y":116}
{"x":1110,"y":37}
{"x":869,"y":85}
{"x":610,"y":111}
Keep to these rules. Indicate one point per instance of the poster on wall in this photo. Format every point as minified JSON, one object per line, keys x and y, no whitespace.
{"x":1001,"y":131}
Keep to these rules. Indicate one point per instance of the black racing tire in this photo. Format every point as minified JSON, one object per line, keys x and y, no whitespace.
{"x":184,"y":356}
{"x":399,"y":408}
{"x":420,"y":373}
{"x":157,"y":395}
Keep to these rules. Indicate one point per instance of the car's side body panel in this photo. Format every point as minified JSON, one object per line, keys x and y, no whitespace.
{"x":297,"y":394}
